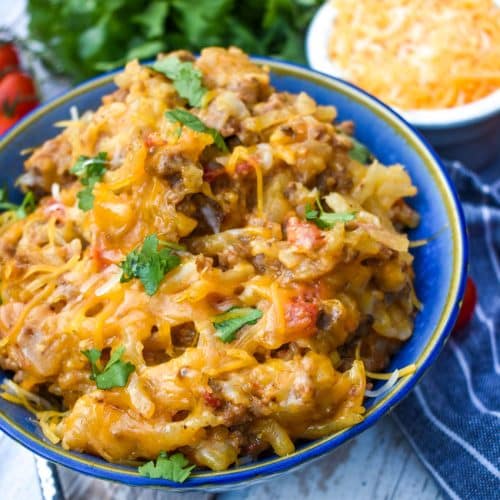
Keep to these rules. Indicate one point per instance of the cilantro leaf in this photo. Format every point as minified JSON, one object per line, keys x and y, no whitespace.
{"x":180,"y":115}
{"x":21,"y":211}
{"x":175,"y":468}
{"x":187,"y":79}
{"x":93,"y":355}
{"x":66,"y":41}
{"x":149,"y":264}
{"x":152,"y":18}
{"x":360,"y":152}
{"x":326,"y":220}
{"x":232,"y":320}
{"x":116,"y":372}
{"x":90,"y":170}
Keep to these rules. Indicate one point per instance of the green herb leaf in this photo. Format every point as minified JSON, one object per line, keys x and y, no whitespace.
{"x":93,"y":355}
{"x":152,"y":18}
{"x":360,"y":152}
{"x":266,"y":27}
{"x":180,"y":115}
{"x":175,"y":468}
{"x":90,"y":171}
{"x":311,"y":214}
{"x":149,"y":264}
{"x":232,"y":320}
{"x":326,"y":220}
{"x":186,"y":77}
{"x":116,"y":372}
{"x":26,"y":207}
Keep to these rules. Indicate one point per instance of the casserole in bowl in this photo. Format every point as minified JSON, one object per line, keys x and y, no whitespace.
{"x":439,"y":278}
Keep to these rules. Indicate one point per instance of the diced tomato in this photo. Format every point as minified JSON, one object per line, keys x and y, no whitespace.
{"x":212,"y":400}
{"x":212,"y":170}
{"x":55,"y":208}
{"x":104,"y":256}
{"x":303,"y":234}
{"x":9,"y":60}
{"x":300,"y":317}
{"x":244,"y":168}
{"x":153,"y":140}
{"x":468,"y":305}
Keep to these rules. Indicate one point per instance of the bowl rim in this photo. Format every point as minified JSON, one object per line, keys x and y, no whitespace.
{"x":206,"y":481}
{"x":318,"y":33}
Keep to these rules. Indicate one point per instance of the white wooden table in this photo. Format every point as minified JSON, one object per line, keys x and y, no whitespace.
{"x":378,"y":465}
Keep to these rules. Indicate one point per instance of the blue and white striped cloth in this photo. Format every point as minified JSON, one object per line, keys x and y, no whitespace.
{"x":452,"y":419}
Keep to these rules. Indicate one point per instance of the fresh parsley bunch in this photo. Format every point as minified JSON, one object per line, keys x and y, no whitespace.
{"x":82,"y":38}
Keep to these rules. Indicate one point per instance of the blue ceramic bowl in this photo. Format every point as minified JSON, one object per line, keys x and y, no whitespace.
{"x":440,"y":266}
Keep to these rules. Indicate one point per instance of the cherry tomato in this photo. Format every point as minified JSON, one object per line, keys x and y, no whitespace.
{"x":9,"y":60}
{"x":17,"y":97}
{"x":468,"y":305}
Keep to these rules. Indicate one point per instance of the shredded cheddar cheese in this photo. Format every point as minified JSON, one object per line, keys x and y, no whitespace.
{"x":419,"y":54}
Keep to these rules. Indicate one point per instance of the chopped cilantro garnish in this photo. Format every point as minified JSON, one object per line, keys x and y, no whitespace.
{"x":232,"y":320}
{"x":115,"y":373}
{"x":149,"y":263}
{"x":180,"y":115}
{"x":186,"y":78}
{"x":175,"y":468}
{"x":326,"y":220}
{"x":90,"y":171}
{"x":360,"y":152}
{"x":27,"y":206}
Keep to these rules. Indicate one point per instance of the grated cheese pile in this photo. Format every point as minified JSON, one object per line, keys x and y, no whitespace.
{"x":419,"y":54}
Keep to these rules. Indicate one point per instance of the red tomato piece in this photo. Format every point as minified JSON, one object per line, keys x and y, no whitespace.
{"x":468,"y":305}
{"x":300,"y":317}
{"x":303,"y":234}
{"x":17,"y":95}
{"x":103,"y":256}
{"x":9,"y":60}
{"x":55,"y":208}
{"x":212,"y":400}
{"x":212,"y":170}
{"x":244,"y":168}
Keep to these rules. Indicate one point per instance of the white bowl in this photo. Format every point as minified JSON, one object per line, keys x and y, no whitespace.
{"x":469,"y":133}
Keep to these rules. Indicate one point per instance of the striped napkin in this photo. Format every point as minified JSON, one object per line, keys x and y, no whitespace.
{"x":452,"y":419}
